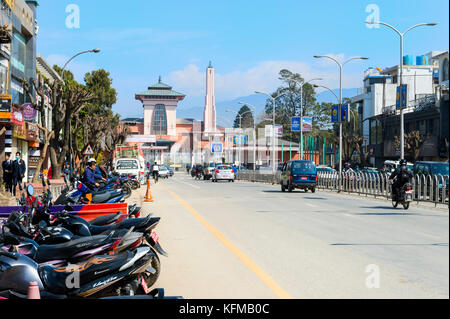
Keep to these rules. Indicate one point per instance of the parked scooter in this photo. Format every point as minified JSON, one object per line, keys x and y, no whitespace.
{"x":101,"y":276}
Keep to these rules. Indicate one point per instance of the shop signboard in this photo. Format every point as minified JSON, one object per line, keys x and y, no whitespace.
{"x":17,"y":115}
{"x":19,"y":131}
{"x":29,"y":112}
{"x":5,"y":108}
{"x":32,"y":132}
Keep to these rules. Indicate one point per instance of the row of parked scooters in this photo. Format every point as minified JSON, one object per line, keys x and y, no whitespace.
{"x":112,"y":256}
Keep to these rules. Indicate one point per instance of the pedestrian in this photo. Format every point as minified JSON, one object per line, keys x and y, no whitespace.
{"x":18,"y":172}
{"x":7,"y":166}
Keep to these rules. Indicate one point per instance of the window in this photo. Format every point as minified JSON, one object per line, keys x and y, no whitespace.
{"x":3,"y":78}
{"x":445,"y":70}
{"x":299,"y":167}
{"x":127,"y":164}
{"x":160,"y":120}
{"x":18,"y":52}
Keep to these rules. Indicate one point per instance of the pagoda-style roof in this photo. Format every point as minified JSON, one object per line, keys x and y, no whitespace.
{"x":160,"y":90}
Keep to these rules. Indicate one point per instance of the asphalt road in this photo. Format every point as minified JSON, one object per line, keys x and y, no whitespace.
{"x":246,"y":240}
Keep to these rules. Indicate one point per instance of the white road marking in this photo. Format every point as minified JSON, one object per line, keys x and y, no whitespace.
{"x":310,"y":205}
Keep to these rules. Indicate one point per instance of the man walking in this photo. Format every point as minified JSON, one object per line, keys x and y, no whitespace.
{"x":7,"y":167}
{"x":18,"y":172}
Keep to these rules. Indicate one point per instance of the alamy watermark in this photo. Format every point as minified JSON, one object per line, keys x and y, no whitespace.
{"x":373,"y":279}
{"x":73,"y":19}
{"x":374,"y":16}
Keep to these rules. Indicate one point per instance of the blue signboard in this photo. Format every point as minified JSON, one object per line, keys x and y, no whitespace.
{"x":402,"y":97}
{"x":217,"y":148}
{"x":295,"y":124}
{"x":345,"y":113}
{"x":240,"y":140}
{"x":335,"y":114}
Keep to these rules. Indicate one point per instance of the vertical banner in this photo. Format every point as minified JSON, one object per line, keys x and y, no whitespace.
{"x":335,"y":114}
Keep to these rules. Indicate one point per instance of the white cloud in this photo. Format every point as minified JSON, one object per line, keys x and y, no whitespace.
{"x":262,"y":77}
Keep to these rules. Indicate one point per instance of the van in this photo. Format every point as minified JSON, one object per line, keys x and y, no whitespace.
{"x":299,"y":174}
{"x":129,"y":166}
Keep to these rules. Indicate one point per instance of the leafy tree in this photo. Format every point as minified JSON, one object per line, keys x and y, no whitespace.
{"x":247,"y":118}
{"x":413,"y":144}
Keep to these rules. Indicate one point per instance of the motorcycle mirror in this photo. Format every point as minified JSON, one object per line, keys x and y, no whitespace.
{"x":30,"y":190}
{"x":42,"y":224}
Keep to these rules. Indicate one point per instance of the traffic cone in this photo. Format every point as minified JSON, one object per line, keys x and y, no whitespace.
{"x":148,"y":194}
{"x":33,"y":291}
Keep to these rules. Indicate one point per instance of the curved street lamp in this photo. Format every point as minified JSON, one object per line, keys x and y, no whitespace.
{"x":341,"y":66}
{"x":273,"y":130}
{"x":402,"y":125}
{"x":301,"y":111}
{"x":62,"y":78}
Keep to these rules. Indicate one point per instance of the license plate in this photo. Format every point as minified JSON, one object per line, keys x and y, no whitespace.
{"x":304,"y":178}
{"x":155,"y":237}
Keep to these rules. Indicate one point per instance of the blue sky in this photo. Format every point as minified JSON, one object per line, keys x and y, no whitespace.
{"x":248,"y":42}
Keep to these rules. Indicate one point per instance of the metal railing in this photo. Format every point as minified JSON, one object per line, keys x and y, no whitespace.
{"x":428,"y":188}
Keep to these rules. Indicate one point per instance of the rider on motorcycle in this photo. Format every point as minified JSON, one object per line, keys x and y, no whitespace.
{"x":89,"y":175}
{"x":155,"y":170}
{"x":402,"y":175}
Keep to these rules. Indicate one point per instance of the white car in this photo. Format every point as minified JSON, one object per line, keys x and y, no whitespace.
{"x":163,"y":172}
{"x":223,"y":172}
{"x":129,"y":166}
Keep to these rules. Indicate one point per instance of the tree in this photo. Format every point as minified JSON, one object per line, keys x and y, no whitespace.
{"x":247,"y":118}
{"x":413,"y":144}
{"x":288,"y":105}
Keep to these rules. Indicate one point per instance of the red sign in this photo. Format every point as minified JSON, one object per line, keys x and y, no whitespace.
{"x":17,"y":115}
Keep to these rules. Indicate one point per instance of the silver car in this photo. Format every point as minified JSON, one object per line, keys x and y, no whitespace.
{"x":223,"y":172}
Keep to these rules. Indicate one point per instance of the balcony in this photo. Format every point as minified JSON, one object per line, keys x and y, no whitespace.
{"x":424,"y":102}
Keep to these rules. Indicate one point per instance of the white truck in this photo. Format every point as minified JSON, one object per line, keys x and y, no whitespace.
{"x":129,"y":160}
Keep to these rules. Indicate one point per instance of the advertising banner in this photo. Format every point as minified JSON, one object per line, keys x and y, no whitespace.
{"x":295,"y":124}
{"x":307,"y":124}
{"x":17,"y":115}
{"x":29,"y":112}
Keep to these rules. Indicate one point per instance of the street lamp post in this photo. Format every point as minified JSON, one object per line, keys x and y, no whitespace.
{"x":402,"y":124}
{"x":254,"y":132}
{"x":301,"y":111}
{"x":62,"y":78}
{"x":273,"y":129}
{"x":341,"y":66}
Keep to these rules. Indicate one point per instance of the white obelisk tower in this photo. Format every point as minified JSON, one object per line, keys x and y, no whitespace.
{"x":209,"y":114}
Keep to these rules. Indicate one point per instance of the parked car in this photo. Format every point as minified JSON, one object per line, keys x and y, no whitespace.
{"x":163,"y":172}
{"x":223,"y":172}
{"x":325,"y":169}
{"x":299,"y":174}
{"x":209,"y":170}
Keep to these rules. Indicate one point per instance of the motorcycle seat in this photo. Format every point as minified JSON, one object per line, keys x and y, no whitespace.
{"x":106,"y":219}
{"x":67,"y":251}
{"x":137,"y":223}
{"x":102,"y":197}
{"x":54,"y":278}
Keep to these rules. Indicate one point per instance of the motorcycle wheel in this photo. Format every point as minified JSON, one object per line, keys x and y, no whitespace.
{"x":127,"y":190}
{"x":150,"y":279}
{"x":406,"y":205}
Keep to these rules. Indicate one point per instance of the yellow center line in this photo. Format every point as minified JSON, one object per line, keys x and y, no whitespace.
{"x":251,"y":265}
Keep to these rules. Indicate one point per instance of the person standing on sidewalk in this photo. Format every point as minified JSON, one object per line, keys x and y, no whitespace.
{"x":18,"y":172}
{"x":7,"y":167}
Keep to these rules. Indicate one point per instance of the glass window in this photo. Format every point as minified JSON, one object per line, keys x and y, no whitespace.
{"x":18,"y":52}
{"x":303,"y":167}
{"x":160,"y":120}
{"x":127,"y":164}
{"x":3,"y":78}
{"x":445,"y":70}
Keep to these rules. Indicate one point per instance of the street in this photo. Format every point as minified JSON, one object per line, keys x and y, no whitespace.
{"x":246,"y":240}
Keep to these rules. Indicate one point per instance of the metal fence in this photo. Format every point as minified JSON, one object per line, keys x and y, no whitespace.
{"x":432,"y":189}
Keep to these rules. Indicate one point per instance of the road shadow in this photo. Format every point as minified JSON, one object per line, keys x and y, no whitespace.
{"x":375,"y":244}
{"x":316,"y":198}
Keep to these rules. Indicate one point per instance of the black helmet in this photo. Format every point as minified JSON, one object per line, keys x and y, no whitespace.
{"x":403,"y":162}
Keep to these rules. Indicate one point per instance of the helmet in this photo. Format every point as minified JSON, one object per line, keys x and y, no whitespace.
{"x":91,"y":160}
{"x":403,"y":162}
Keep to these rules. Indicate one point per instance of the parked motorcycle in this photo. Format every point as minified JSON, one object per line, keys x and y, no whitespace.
{"x":120,"y":274}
